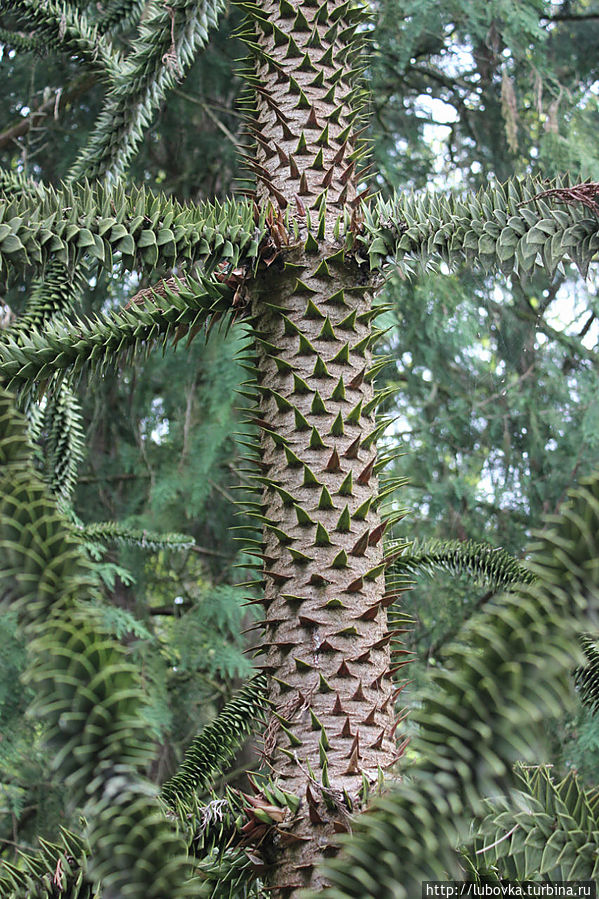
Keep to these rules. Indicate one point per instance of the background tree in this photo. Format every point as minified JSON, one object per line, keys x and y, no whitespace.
{"x":159,"y":409}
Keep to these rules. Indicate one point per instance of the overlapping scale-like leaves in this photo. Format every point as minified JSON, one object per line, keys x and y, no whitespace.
{"x":87,"y":692}
{"x":211,"y":752}
{"x":489,"y":565}
{"x":144,"y":229}
{"x":209,"y":824}
{"x":55,"y":869}
{"x":62,"y":26}
{"x":57,"y":426}
{"x":169,"y":40}
{"x":546,"y":830}
{"x":587,"y":676}
{"x":481,"y":713}
{"x":117,"y":532}
{"x":110,"y":339}
{"x":118,"y":15}
{"x":505,"y":226}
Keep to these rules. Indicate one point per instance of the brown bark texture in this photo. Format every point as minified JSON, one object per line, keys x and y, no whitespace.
{"x":326,"y":643}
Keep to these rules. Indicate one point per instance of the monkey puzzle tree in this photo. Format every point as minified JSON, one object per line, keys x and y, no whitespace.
{"x":298,"y":261}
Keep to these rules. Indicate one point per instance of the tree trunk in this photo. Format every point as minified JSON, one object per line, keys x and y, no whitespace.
{"x":326,"y":641}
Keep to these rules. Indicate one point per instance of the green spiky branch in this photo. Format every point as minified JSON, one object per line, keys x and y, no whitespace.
{"x":61,"y":26}
{"x":14,"y":184}
{"x":112,"y":338}
{"x":153,"y":228}
{"x":56,"y":869}
{"x":230,"y":875}
{"x":119,"y":15}
{"x":59,"y":427}
{"x":170,"y":39}
{"x":86,"y":691}
{"x":206,"y":758}
{"x":64,"y":865}
{"x":22,"y":43}
{"x":148,"y":230}
{"x":114,"y":531}
{"x":209,"y":754}
{"x":545,"y":831}
{"x":503,"y":227}
{"x":58,"y":292}
{"x":587,"y":676}
{"x":509,"y":671}
{"x":145,"y":229}
{"x":489,"y":565}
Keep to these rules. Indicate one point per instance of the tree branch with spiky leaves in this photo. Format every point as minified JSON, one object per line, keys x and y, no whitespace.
{"x":146,"y":230}
{"x":104,"y":341}
{"x":489,"y":565}
{"x":546,"y":829}
{"x":169,"y":39}
{"x":87,"y":692}
{"x":60,"y":25}
{"x":118,"y":15}
{"x":512,"y":227}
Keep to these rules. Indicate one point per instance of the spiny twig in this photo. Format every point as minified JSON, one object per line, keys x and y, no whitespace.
{"x":585,"y":194}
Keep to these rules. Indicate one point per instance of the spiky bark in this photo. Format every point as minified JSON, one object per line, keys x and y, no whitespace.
{"x":326,"y":638}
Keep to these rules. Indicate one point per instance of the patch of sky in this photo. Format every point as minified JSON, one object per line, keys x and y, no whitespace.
{"x":156,"y":425}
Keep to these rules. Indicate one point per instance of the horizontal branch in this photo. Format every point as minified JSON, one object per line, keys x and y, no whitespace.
{"x":145,"y":229}
{"x":109,"y":339}
{"x":114,"y":531}
{"x":570,"y":17}
{"x":127,"y":476}
{"x":169,"y":41}
{"x":61,"y":26}
{"x":511,"y":227}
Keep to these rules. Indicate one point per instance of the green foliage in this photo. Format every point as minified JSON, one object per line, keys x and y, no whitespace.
{"x":59,"y":427}
{"x":462,"y":90}
{"x":121,"y":623}
{"x":169,"y":40}
{"x":57,"y":866}
{"x":14,"y":184}
{"x":110,"y":338}
{"x":144,"y":229}
{"x":229,"y":875}
{"x":21,"y":42}
{"x":545,"y":831}
{"x":510,"y":227}
{"x":581,"y":749}
{"x":587,"y":676}
{"x":55,"y":294}
{"x":208,"y":635}
{"x":118,"y":15}
{"x":86,"y":691}
{"x":488,"y":565}
{"x":209,"y":754}
{"x":181,"y":480}
{"x":60,"y":25}
{"x":115,"y":531}
{"x":17,"y":734}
